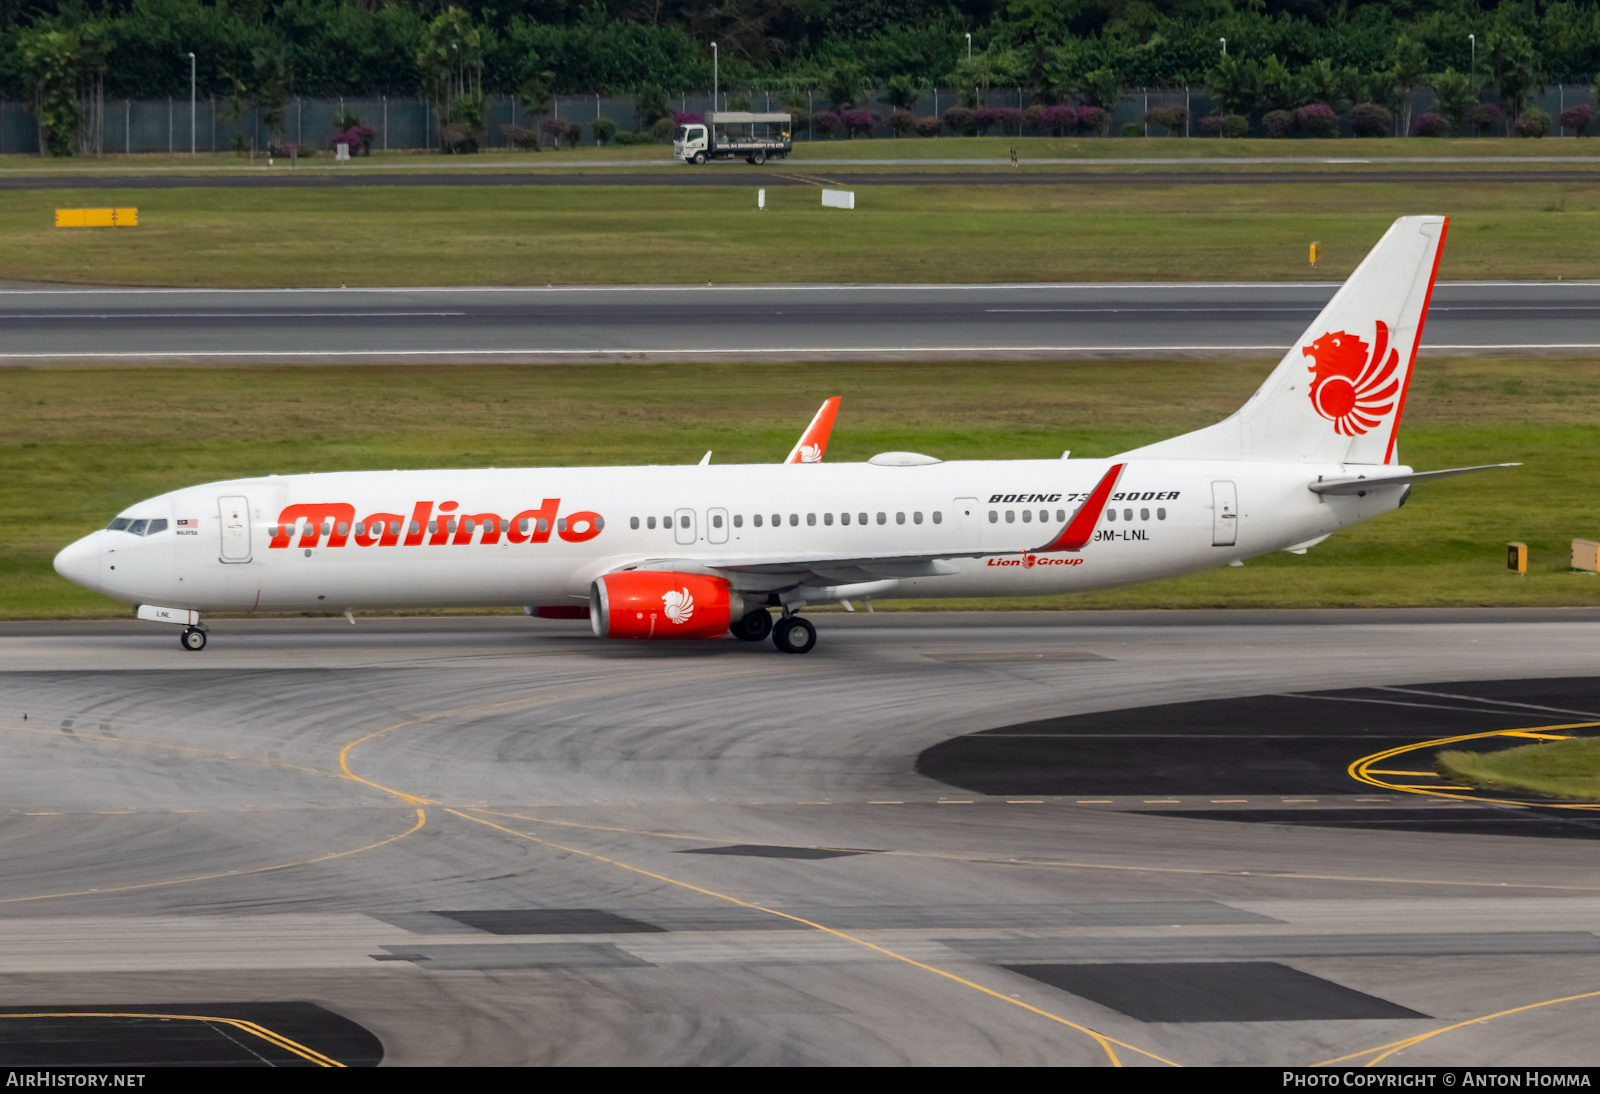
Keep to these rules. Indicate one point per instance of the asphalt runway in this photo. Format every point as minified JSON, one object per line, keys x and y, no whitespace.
{"x":501,"y":841}
{"x":751,"y":322}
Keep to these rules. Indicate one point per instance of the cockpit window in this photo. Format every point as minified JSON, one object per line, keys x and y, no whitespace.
{"x":137,"y":527}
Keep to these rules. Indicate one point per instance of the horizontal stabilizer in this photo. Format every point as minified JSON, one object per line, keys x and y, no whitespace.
{"x":1360,"y":484}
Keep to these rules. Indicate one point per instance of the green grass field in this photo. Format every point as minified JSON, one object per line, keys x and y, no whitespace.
{"x":1560,"y":769}
{"x":78,"y":445}
{"x":650,"y":234}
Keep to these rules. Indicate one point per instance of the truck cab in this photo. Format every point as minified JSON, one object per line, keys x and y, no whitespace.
{"x":736,"y":134}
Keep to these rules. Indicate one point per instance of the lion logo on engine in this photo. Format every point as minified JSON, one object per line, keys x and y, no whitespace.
{"x":677,"y":605}
{"x":1350,"y":387}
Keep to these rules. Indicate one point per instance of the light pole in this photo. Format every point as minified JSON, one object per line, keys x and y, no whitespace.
{"x":1473,"y":38}
{"x":969,"y":57}
{"x":191,"y":106}
{"x":714,"y":75}
{"x":1224,"y":42}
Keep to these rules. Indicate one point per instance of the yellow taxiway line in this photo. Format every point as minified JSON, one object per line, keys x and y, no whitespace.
{"x":237,"y":1023}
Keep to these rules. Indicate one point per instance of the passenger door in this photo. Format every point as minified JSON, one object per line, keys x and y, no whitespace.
{"x":1224,"y":514}
{"x":717,"y":525}
{"x":683,"y":528}
{"x":234,"y":519}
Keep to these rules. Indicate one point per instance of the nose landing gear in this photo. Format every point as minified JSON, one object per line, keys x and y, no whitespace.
{"x":193,"y":638}
{"x":791,"y":634}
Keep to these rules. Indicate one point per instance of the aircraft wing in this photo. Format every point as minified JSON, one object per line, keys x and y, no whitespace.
{"x":770,"y":573}
{"x":1360,"y":484}
{"x":777,"y":573}
{"x":814,"y":441}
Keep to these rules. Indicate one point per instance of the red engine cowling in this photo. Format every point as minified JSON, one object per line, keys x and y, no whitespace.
{"x":659,"y":604}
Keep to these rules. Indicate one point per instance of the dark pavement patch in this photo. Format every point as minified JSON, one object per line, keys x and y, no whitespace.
{"x":1225,"y":991}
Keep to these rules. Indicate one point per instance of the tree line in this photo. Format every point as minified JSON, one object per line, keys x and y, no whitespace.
{"x":1255,"y":57}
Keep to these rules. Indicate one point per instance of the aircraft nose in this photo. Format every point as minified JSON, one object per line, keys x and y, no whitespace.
{"x":79,"y":562}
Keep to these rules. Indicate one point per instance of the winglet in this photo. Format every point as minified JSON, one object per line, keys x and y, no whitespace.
{"x":814,"y":441}
{"x":1080,"y":529}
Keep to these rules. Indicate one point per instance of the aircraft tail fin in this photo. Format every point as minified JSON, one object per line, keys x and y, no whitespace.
{"x":1338,"y":394}
{"x":814,"y":441}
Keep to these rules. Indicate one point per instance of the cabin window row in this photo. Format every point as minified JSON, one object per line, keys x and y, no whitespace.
{"x":1061,"y":515}
{"x":1027,"y":516}
{"x":759,"y":520}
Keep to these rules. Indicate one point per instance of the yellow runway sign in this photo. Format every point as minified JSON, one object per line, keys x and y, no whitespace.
{"x":97,"y":218}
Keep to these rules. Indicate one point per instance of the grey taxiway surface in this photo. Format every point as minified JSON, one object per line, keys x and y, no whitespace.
{"x":556,"y":324}
{"x":503,"y":841}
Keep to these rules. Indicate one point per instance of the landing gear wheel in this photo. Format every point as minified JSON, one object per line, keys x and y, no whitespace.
{"x":699,"y":159}
{"x":791,"y":634}
{"x":753,"y":627}
{"x":193,"y":638}
{"x":758,"y":158}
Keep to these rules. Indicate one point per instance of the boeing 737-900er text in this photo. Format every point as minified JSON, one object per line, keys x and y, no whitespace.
{"x":702,"y":551}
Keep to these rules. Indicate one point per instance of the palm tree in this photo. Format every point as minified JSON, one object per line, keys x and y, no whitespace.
{"x":902,"y":92}
{"x":841,"y":86}
{"x":1408,"y":67}
{"x":975,"y":75}
{"x":1452,"y":91}
{"x":1233,"y":85}
{"x":1317,"y":82}
{"x":1516,"y":71}
{"x":1102,"y":88}
{"x":1038,"y":67}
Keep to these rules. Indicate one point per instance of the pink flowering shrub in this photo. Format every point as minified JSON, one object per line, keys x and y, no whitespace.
{"x":1317,"y":120}
{"x":858,"y":121}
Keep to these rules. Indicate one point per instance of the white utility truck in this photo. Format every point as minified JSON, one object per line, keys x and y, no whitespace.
{"x":734,"y":134}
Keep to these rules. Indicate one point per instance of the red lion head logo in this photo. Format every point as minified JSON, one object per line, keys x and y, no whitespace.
{"x":1348,"y":387}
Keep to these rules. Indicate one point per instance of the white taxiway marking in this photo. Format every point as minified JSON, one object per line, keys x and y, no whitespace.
{"x":745,"y":351}
{"x":229,"y":315}
{"x":1066,"y":286}
{"x":624,"y":351}
{"x":1300,"y":310}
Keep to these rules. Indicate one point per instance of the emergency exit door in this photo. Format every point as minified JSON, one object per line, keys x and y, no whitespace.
{"x":234,"y":518}
{"x":964,"y":518}
{"x":1224,"y":515}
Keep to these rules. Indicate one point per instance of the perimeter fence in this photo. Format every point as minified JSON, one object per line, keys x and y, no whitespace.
{"x":412,"y":122}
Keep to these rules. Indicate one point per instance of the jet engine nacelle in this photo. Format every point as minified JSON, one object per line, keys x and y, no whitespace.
{"x":659,"y":604}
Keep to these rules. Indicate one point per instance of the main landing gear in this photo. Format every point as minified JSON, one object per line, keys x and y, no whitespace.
{"x":193,"y":638}
{"x":791,"y":634}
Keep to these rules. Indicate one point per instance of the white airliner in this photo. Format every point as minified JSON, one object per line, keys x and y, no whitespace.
{"x":702,"y":551}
